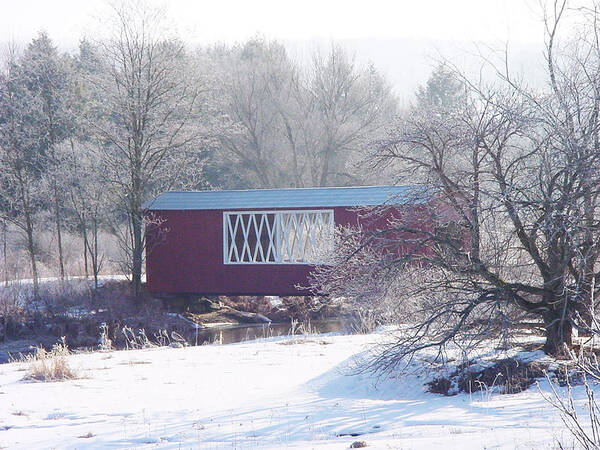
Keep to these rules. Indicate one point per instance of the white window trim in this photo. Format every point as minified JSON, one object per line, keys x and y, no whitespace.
{"x":275,"y":241}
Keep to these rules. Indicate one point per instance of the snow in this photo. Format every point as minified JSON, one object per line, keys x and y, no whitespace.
{"x":55,"y":280}
{"x":291,"y":392}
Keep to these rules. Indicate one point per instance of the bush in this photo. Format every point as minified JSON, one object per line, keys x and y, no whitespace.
{"x":505,"y":376}
{"x":50,"y":365}
{"x":12,"y":313}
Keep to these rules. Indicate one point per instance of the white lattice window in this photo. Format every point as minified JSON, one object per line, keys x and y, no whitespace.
{"x":277,"y":237}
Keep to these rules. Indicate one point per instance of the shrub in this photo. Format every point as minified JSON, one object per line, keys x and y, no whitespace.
{"x":505,"y":376}
{"x":50,"y":365}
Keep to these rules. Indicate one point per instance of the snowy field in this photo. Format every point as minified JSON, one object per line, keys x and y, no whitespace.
{"x":292,"y":392}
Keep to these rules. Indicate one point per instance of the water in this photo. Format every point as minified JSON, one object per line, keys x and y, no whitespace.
{"x":218,"y":335}
{"x":242,"y":333}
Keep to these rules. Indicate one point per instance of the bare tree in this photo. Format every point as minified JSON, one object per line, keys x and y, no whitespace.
{"x":257,"y":75}
{"x":148,"y":97}
{"x":5,"y":271}
{"x":348,"y":106}
{"x":295,"y":125}
{"x":506,"y":224}
{"x":82,"y":175}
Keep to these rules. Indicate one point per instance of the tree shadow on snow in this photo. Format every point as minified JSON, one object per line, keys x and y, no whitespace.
{"x":340,"y":404}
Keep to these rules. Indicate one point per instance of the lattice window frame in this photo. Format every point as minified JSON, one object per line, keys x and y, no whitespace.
{"x":291,"y":239}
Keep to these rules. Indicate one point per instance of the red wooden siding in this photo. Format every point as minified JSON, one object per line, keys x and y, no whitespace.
{"x":189,"y":257}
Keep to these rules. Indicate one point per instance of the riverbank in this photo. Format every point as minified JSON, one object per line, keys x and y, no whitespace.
{"x":86,"y":318}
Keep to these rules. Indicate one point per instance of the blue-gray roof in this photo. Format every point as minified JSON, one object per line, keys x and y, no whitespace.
{"x":284,"y":198}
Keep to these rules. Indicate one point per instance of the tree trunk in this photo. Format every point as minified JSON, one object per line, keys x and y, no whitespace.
{"x":137,"y":258}
{"x":4,"y":254}
{"x":31,"y":251}
{"x":325,"y":167}
{"x":95,"y":262}
{"x":61,"y":265}
{"x":92,"y":249}
{"x":136,"y":238}
{"x":85,"y":250}
{"x":558,"y":333}
{"x":136,"y":218}
{"x":29,"y":233}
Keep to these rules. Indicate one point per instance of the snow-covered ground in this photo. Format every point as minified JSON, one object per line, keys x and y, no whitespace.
{"x":292,"y":392}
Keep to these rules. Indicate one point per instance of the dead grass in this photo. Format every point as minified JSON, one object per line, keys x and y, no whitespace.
{"x":50,"y":365}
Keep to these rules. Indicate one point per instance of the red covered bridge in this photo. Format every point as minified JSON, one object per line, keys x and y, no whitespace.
{"x":251,"y":242}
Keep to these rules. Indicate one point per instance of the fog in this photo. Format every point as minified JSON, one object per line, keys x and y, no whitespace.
{"x":404,"y":40}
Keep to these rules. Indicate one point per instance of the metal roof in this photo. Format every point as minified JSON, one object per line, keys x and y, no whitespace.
{"x":284,"y":198}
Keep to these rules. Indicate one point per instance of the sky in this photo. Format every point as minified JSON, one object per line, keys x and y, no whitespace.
{"x":234,"y":20}
{"x":401,"y":37}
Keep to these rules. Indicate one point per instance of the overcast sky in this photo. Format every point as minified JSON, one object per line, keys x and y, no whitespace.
{"x":399,"y":36}
{"x":232,"y":20}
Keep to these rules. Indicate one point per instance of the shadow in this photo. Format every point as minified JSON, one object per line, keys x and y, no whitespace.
{"x":350,"y":405}
{"x":337,"y":405}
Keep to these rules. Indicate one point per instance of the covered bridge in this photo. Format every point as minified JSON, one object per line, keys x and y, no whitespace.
{"x":250,"y":242}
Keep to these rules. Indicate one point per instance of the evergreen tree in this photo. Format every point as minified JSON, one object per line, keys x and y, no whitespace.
{"x":442,"y":90}
{"x":47,"y":76}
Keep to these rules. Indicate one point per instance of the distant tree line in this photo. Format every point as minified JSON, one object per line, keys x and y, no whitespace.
{"x":86,"y":138}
